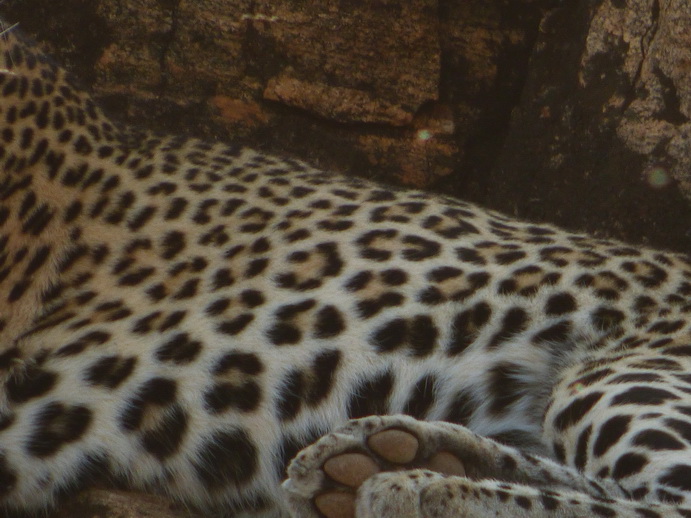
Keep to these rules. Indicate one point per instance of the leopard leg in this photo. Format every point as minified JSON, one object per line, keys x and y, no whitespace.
{"x":336,"y":472}
{"x":425,"y":494}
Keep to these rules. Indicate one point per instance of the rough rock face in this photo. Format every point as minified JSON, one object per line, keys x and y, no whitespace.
{"x":589,"y":133}
{"x":410,"y":91}
{"x":603,"y":128}
{"x":311,"y":55}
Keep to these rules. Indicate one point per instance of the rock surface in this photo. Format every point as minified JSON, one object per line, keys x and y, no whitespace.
{"x":603,"y":131}
{"x":590,"y":133}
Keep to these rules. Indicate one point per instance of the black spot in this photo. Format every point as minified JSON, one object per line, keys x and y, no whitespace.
{"x":523,"y":502}
{"x":637,"y":495}
{"x":300,"y":192}
{"x":297,"y":235}
{"x":607,"y":318}
{"x":375,"y":254}
{"x":593,"y":377}
{"x":187,"y":290}
{"x":154,"y":392}
{"x":576,"y":410}
{"x":217,"y":307}
{"x":255,"y":267}
{"x":559,"y":452}
{"x":444,"y":273}
{"x":358,"y":281}
{"x":110,"y":371}
{"x":370,"y":307}
{"x":423,"y":335}
{"x":252,"y":298}
{"x":173,"y":243}
{"x":680,"y":350}
{"x":601,"y":510}
{"x":179,"y":349}
{"x":515,"y":320}
{"x":226,"y":458}
{"x":236,"y":325}
{"x":55,"y":425}
{"x":222,"y":279}
{"x":166,"y":437}
{"x":509,"y":257}
{"x":329,"y":323}
{"x":6,"y":420}
{"x":71,"y":257}
{"x":508,"y":463}
{"x":421,"y":248}
{"x":335,"y":225}
{"x":501,"y":494}
{"x":548,"y":501}
{"x":470,"y":255}
{"x":555,"y":334}
{"x":431,"y":296}
{"x":84,"y":341}
{"x":18,"y":290}
{"x":136,"y":277}
{"x":284,"y":333}
{"x":581,"y":456}
{"x":681,"y":427}
{"x":176,"y":208}
{"x":505,"y":386}
{"x":466,"y":326}
{"x":461,"y":408}
{"x":32,"y":383}
{"x":684,"y":409}
{"x":8,"y":477}
{"x":628,"y":464}
{"x":394,"y":277}
{"x":644,"y":377}
{"x":38,"y":221}
{"x":39,"y":258}
{"x":324,"y":370}
{"x":678,"y":476}
{"x":667,"y":497}
{"x":657,"y":364}
{"x":172,"y":320}
{"x":560,"y":304}
{"x":390,"y":336}
{"x":610,"y":432}
{"x":288,"y":311}
{"x":290,"y":396}
{"x":657,"y":440}
{"x":639,"y":395}
{"x":300,"y":387}
{"x":244,"y":397}
{"x":247,"y":363}
{"x":371,"y":397}
{"x":141,"y":218}
{"x":666,"y":327}
{"x":422,"y":396}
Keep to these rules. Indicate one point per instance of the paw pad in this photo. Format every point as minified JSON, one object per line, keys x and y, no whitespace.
{"x":350,"y":469}
{"x":445,"y":463}
{"x":395,"y":446}
{"x":336,"y":505}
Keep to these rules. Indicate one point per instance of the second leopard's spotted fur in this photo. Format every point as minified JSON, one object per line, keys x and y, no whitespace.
{"x":185,"y":317}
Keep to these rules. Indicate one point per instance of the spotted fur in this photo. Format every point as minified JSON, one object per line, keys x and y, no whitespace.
{"x":186,"y":316}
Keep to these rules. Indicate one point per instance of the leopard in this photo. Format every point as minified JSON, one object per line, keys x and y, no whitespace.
{"x":253,"y":336}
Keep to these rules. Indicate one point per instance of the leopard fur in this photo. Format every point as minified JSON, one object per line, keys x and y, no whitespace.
{"x":185,"y":317}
